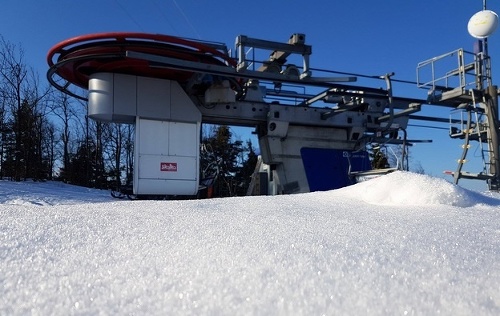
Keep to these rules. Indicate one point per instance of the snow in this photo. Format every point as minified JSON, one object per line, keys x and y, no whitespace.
{"x":403,"y":244}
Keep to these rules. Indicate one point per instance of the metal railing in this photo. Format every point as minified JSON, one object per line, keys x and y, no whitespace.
{"x":468,"y":70}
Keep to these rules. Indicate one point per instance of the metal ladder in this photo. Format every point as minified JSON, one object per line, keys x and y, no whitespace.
{"x":474,"y":128}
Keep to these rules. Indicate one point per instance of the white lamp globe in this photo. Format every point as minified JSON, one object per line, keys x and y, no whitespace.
{"x":483,"y":24}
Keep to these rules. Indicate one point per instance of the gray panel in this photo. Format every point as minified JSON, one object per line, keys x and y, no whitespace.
{"x":153,"y":98}
{"x":182,"y":107}
{"x":125,"y":95}
{"x":183,"y":139}
{"x":166,"y":157}
{"x":152,"y":137}
{"x":181,"y":168}
{"x":166,"y":187}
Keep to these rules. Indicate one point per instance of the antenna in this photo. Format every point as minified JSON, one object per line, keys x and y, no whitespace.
{"x":483,"y":23}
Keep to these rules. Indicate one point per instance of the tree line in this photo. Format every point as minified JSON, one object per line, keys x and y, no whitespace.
{"x":46,"y":135}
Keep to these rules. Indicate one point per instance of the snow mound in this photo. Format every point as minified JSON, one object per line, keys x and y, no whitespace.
{"x":407,"y":188}
{"x":49,"y":193}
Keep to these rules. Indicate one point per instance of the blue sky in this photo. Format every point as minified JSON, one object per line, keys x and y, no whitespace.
{"x":360,"y":36}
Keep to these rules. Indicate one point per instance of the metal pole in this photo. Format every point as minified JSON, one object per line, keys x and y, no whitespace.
{"x":493,"y":129}
{"x":485,"y":43}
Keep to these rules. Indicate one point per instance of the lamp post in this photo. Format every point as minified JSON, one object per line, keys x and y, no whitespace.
{"x":481,"y":25}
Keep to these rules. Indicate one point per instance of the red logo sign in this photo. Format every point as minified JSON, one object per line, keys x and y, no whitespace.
{"x":168,"y":166}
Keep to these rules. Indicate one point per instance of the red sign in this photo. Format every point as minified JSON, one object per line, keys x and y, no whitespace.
{"x":168,"y":166}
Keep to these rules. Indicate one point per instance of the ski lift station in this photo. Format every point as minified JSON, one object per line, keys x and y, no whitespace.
{"x":313,"y":125}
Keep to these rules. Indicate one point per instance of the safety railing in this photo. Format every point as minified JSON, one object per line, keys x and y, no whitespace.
{"x":435,"y":74}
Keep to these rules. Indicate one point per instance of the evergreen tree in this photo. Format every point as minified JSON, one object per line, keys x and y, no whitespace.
{"x":77,"y":170}
{"x":23,"y":147}
{"x":86,"y":167}
{"x":244,"y":174}
{"x":228,"y":159}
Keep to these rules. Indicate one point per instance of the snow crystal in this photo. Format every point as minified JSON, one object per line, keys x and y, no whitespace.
{"x":426,"y":247}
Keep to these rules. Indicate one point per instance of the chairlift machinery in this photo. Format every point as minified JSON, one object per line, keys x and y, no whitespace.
{"x":312,"y":130}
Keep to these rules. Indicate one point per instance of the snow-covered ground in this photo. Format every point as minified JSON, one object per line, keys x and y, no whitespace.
{"x":402,"y":244}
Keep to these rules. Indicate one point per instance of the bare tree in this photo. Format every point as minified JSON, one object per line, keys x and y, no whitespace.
{"x":14,"y":74}
{"x":22,"y":97}
{"x":117,"y":142}
{"x":70,"y":117}
{"x":49,"y":148}
{"x":114,"y":143}
{"x":3,"y":132}
{"x":129,"y":153}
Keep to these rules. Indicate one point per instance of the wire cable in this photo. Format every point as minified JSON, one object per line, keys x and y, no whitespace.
{"x":187,"y":19}
{"x":165,"y":17}
{"x":129,"y":15}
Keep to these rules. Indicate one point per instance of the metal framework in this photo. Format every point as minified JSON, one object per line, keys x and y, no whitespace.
{"x":309,"y":127}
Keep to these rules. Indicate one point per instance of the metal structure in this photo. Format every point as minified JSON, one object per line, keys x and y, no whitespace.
{"x":312,"y":130}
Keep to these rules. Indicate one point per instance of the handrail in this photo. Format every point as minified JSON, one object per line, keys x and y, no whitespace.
{"x":442,"y":78}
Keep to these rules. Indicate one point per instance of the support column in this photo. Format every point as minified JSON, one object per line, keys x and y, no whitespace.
{"x":492,"y":114}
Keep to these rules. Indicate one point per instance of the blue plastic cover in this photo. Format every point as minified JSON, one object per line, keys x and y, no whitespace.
{"x":328,"y":169}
